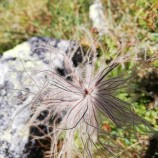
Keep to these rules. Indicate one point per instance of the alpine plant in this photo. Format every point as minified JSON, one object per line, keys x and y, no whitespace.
{"x":74,"y":105}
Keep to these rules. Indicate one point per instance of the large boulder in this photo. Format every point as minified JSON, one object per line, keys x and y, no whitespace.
{"x":15,"y":65}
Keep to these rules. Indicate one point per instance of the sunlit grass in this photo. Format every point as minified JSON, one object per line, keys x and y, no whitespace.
{"x":22,"y":19}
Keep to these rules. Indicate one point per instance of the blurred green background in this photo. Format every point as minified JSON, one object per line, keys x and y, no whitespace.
{"x":132,"y":23}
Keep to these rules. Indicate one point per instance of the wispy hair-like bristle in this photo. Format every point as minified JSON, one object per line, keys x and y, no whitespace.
{"x":77,"y":102}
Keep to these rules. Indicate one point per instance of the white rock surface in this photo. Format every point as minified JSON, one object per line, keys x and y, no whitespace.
{"x":13,"y":67}
{"x":97,"y":15}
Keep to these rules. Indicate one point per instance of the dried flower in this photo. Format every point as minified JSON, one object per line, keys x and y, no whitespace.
{"x":74,"y":106}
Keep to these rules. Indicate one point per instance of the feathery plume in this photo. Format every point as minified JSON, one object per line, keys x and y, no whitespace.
{"x":75,"y":104}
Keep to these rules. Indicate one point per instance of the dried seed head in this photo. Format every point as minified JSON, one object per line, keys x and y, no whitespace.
{"x":78,"y":102}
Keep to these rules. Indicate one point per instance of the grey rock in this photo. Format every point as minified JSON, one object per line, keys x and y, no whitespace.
{"x":15,"y":65}
{"x":98,"y":17}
